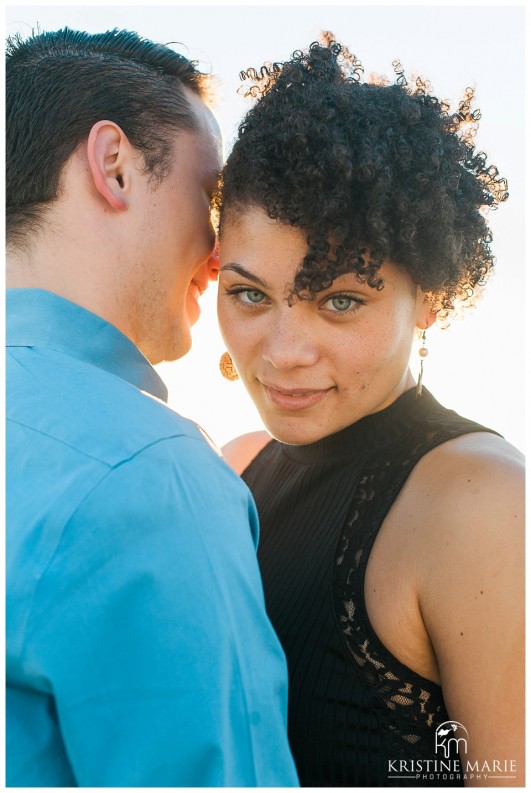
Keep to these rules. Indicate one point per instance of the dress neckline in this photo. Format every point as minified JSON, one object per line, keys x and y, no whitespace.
{"x":369,"y":433}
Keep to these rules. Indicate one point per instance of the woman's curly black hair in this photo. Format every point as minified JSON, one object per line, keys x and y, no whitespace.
{"x":371,"y":171}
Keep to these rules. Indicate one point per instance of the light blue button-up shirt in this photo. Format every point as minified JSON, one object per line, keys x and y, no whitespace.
{"x":138,"y":648}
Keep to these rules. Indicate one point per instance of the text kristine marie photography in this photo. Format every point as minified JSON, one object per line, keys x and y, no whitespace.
{"x":451,"y":737}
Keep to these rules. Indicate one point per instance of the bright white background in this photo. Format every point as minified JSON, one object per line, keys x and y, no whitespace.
{"x":475,"y":367}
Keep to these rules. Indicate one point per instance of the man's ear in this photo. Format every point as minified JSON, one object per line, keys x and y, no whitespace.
{"x":109,"y":159}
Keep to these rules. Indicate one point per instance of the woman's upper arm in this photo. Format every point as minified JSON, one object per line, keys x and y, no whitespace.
{"x":472,"y":602}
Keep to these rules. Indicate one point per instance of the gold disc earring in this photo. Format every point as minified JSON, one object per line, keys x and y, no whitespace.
{"x":423,"y":352}
{"x":227,"y":368}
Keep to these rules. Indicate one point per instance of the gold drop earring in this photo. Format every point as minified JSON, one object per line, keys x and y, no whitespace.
{"x":227,"y":368}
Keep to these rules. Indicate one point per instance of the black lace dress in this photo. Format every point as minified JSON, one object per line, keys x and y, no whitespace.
{"x":355,"y":711}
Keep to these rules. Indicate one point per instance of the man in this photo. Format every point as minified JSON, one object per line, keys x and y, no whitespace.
{"x":138,"y":648}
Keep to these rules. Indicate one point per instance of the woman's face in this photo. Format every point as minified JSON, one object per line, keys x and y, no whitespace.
{"x":317,"y":366}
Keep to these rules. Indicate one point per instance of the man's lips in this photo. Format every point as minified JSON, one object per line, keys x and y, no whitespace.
{"x":197,"y":288}
{"x":295,"y":398}
{"x":202,"y":285}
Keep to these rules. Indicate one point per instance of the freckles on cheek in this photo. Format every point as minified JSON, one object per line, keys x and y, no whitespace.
{"x":368,"y":356}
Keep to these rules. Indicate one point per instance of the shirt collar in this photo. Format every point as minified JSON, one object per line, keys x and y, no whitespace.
{"x":37,"y":318}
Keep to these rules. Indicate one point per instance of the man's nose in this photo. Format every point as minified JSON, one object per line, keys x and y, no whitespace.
{"x":213,"y":262}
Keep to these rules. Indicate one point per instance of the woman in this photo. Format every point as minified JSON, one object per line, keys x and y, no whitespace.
{"x":391,"y":528}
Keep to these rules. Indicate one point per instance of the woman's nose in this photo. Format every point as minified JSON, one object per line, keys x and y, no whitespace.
{"x":289,"y":344}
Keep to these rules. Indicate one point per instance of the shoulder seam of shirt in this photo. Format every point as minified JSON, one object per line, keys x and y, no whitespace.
{"x":98,"y":459}
{"x":110,"y":469}
{"x":68,"y":353}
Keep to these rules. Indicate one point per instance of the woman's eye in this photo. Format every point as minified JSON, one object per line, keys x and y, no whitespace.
{"x":252,"y":296}
{"x":247,"y":297}
{"x":342,"y":303}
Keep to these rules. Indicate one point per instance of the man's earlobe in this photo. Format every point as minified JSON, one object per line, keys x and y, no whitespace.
{"x":106,"y":154}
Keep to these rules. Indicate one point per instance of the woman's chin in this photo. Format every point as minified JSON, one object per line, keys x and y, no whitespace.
{"x":291,"y":434}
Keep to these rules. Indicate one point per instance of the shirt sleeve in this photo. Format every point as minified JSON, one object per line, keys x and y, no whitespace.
{"x":149,"y":625}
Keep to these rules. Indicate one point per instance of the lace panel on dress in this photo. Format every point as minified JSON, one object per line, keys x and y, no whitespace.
{"x":410,"y":707}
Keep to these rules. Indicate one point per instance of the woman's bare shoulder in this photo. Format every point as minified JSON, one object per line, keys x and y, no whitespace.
{"x":241,"y":451}
{"x":471,"y":473}
{"x":464,"y":500}
{"x":484,"y":445}
{"x":480,"y":459}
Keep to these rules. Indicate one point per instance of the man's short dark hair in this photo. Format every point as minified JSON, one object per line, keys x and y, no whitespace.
{"x":371,"y":171}
{"x":59,"y":84}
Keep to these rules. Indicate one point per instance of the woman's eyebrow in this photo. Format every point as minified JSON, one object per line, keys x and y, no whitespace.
{"x":237,"y":268}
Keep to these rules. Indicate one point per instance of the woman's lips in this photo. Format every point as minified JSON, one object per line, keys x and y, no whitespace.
{"x":295,"y":398}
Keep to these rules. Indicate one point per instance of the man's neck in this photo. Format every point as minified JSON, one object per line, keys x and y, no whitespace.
{"x":70,"y":278}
